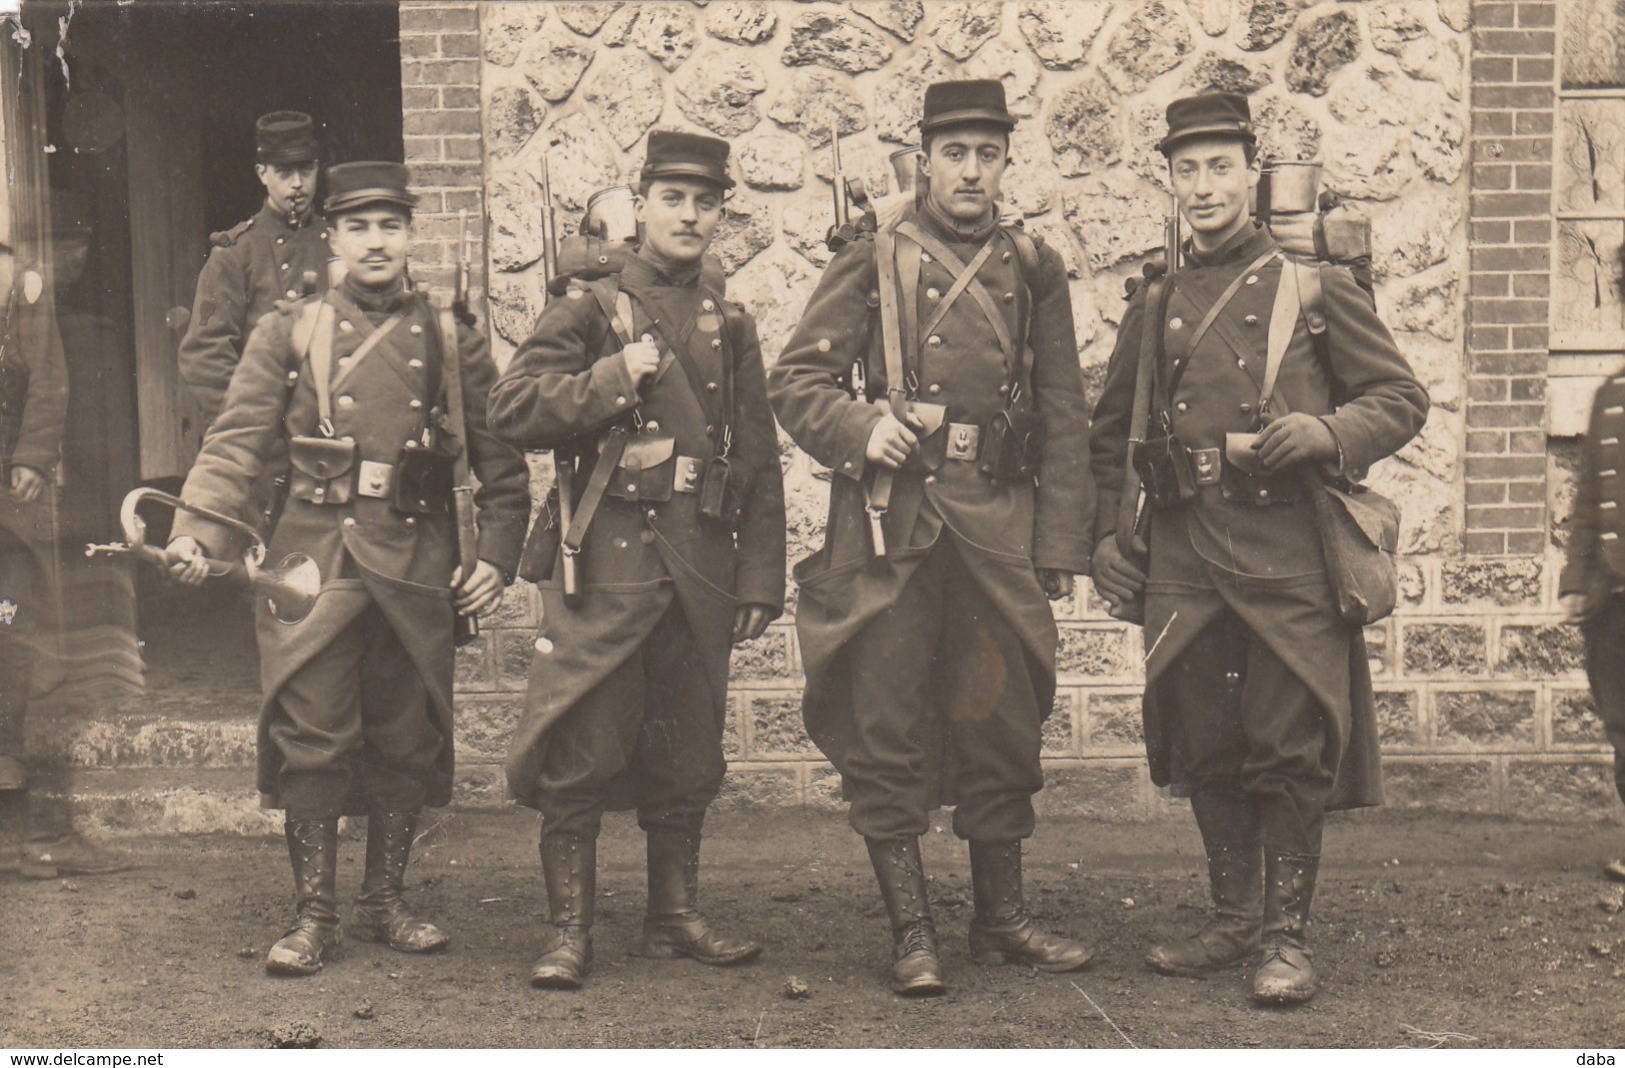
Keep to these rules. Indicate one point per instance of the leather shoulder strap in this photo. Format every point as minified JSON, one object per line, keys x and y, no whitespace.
{"x":1284,"y":317}
{"x":890,"y":325}
{"x":320,"y":353}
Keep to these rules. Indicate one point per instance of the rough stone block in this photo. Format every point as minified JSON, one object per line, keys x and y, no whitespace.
{"x":1398,"y":717}
{"x":519,"y":609}
{"x":1264,"y":22}
{"x":1061,"y":32}
{"x":1575,"y":720}
{"x":775,"y":729}
{"x":964,"y":27}
{"x":768,"y":785}
{"x":1566,"y":790}
{"x":1115,"y":720}
{"x":1323,"y":46}
{"x":1499,"y":582}
{"x":479,"y":786}
{"x":768,"y":657}
{"x":515,"y":651}
{"x":1485,"y":718}
{"x":824,"y":788}
{"x":483,"y":728}
{"x":1541,"y":650}
{"x":1115,"y":792}
{"x":1439,"y":786}
{"x":1153,"y":40}
{"x":474,"y":665}
{"x":1444,"y":648}
{"x":1093,"y":652}
{"x":836,"y":41}
{"x":1060,"y":729}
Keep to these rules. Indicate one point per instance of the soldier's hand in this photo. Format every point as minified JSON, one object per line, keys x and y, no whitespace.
{"x":1057,"y":584}
{"x":188,"y":566}
{"x":1574,"y":606}
{"x":1115,"y":576}
{"x":1295,"y":438}
{"x":481,"y":593}
{"x":750,"y":620}
{"x":1294,"y":232}
{"x":642,"y":358}
{"x":26,"y":484}
{"x":890,"y":442}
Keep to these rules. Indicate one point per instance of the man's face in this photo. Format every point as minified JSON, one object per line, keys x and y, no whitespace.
{"x":679,"y":217}
{"x":965,"y":166}
{"x":371,"y":242}
{"x":1212,"y":180}
{"x":289,"y":186}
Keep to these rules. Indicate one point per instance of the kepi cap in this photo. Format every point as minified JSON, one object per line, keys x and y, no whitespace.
{"x":350,"y":185}
{"x":674,"y":154}
{"x":1224,"y":115}
{"x":959,"y":102}
{"x":285,"y":137}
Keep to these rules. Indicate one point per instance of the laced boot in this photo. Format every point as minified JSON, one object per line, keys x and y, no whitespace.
{"x":570,"y":868}
{"x":1286,"y":975}
{"x":673,"y":926}
{"x":313,"y":846}
{"x":915,"y":970}
{"x":1235,"y":875}
{"x":380,"y":913}
{"x":1003,"y":931}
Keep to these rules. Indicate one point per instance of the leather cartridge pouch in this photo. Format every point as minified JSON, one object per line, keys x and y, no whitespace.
{"x":714,"y":501}
{"x":647,"y":470}
{"x":1244,"y":478}
{"x":1164,"y":468}
{"x":1012,"y":445}
{"x":542,"y":543}
{"x":423,"y":482}
{"x":321,"y":470}
{"x":932,"y":432}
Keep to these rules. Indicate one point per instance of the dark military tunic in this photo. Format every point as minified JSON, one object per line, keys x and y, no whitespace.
{"x":1234,"y":564}
{"x":646,"y":653}
{"x":33,"y":411}
{"x":389,"y":571}
{"x":969,"y":545}
{"x":253,"y":265}
{"x":1596,"y":562}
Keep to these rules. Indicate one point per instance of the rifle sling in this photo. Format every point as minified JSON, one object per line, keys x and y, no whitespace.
{"x":1156,"y":304}
{"x":609,"y":457}
{"x":451,"y":371}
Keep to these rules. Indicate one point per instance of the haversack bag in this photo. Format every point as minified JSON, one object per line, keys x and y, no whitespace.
{"x":1359,"y":534}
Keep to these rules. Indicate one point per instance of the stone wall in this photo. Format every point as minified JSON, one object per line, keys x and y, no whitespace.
{"x":1483,"y":704}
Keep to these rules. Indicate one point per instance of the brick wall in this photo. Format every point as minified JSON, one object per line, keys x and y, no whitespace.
{"x":1513,"y":105}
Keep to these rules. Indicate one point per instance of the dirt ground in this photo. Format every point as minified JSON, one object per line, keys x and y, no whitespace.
{"x":1495,"y":934}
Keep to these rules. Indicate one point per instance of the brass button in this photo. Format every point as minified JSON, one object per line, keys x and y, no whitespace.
{"x":280,"y":240}
{"x":925,"y":257}
{"x":653,"y":426}
{"x":414,"y":404}
{"x":1241,"y":363}
{"x":1246,"y":409}
{"x":1004,"y":390}
{"x":620,"y":543}
{"x":708,"y":304}
{"x":1181,"y":406}
{"x":652,"y":515}
{"x":933,"y":293}
{"x":1252,"y":279}
{"x":1004,"y":257}
{"x":847,"y":466}
{"x":1250,"y":320}
{"x":933,"y":389}
{"x":293,"y":376}
{"x":716,"y":343}
{"x":284,"y":266}
{"x":823,"y":344}
{"x":415,"y":328}
{"x":344,"y":325}
{"x":349,"y":521}
{"x":930,"y":480}
{"x":934,"y":341}
{"x":710,"y":387}
{"x":411,"y":521}
{"x":416,"y":365}
{"x":346,"y":401}
{"x":620,"y":399}
{"x":293,"y":295}
{"x":1176,"y":323}
{"x":710,"y":431}
{"x":1009,"y":298}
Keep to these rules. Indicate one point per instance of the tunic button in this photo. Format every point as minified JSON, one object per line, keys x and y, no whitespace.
{"x":1009,"y":298}
{"x":930,"y":480}
{"x":346,"y":401}
{"x":934,"y":341}
{"x":708,"y":304}
{"x":932,"y":293}
{"x":620,"y":399}
{"x":1176,"y":323}
{"x":293,"y":294}
{"x":1004,"y":390}
{"x":280,"y":240}
{"x":847,"y":466}
{"x":710,"y":430}
{"x":653,"y":515}
{"x":1246,"y":409}
{"x":1181,"y":406}
{"x":716,"y":343}
{"x":620,"y":543}
{"x":925,"y":257}
{"x":1004,"y":257}
{"x":1241,"y":363}
{"x":653,"y":426}
{"x":933,"y":389}
{"x":823,"y":344}
{"x":414,"y":404}
{"x":416,"y":365}
{"x":1250,"y":320}
{"x":284,"y":266}
{"x":293,"y":376}
{"x":415,"y":329}
{"x":710,"y":387}
{"x":344,"y":325}
{"x":349,"y":520}
{"x":1252,"y":279}
{"x":411,"y":522}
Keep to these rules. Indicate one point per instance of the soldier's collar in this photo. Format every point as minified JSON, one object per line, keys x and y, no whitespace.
{"x":372,"y":300}
{"x":951,"y":230}
{"x":1246,"y":244}
{"x":642,"y":271}
{"x":291,"y":222}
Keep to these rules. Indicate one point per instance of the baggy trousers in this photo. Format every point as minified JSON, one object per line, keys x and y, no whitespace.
{"x":942,"y":661}
{"x":1605,"y":666}
{"x":1248,"y":725}
{"x":356,"y":715}
{"x":651,"y":725}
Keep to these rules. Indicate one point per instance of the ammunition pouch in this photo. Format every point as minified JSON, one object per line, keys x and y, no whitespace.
{"x":1012,"y":445}
{"x":542,"y":543}
{"x":423,"y":482}
{"x":715,"y":501}
{"x":1243,"y":478}
{"x":1164,"y":467}
{"x":648,"y":469}
{"x":321,"y":470}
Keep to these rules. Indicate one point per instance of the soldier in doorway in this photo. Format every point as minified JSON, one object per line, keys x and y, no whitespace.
{"x":677,"y":531}
{"x":357,"y":716}
{"x":935,"y":371}
{"x":1258,"y":696}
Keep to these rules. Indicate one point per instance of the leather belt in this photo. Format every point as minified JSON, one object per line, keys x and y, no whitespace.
{"x":964,"y":441}
{"x":375,"y":479}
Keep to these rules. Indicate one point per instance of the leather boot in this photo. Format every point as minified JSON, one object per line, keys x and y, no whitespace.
{"x":380,"y":913}
{"x":673,"y":926}
{"x":570,"y":868}
{"x":915,"y":970}
{"x":313,"y":846}
{"x":1003,"y":931}
{"x":1235,"y":877}
{"x":1286,"y":975}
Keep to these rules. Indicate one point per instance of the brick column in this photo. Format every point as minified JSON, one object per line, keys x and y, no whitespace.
{"x":1513,"y":111}
{"x":440,"y":121}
